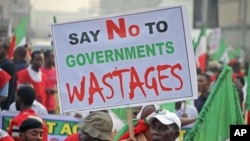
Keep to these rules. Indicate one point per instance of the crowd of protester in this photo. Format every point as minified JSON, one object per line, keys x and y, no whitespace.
{"x":28,"y":85}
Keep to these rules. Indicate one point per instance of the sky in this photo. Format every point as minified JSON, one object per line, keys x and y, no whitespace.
{"x":60,"y":5}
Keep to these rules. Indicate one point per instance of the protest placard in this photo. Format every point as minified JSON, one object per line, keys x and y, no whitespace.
{"x":125,"y":60}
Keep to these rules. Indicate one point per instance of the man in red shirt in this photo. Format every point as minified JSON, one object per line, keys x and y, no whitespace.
{"x":25,"y":97}
{"x":50,"y":70}
{"x":34,"y":75}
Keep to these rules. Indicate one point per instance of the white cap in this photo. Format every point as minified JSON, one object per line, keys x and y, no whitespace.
{"x":167,"y":118}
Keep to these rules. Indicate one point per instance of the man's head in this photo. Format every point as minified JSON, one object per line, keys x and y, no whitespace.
{"x":204,"y":82}
{"x":20,"y":54}
{"x":215,"y":68}
{"x":4,"y":49}
{"x":37,"y":60}
{"x":165,"y":126}
{"x":31,"y":129}
{"x":236,"y":67}
{"x":25,"y":96}
{"x":49,"y":58}
{"x":97,"y":126}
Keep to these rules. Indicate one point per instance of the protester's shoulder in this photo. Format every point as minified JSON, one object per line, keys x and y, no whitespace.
{"x":192,"y":107}
{"x":43,"y":69}
{"x":7,"y":138}
{"x":22,"y":74}
{"x":12,"y":107}
{"x":4,"y":136}
{"x":28,"y":114}
{"x":73,"y":137}
{"x":7,"y":62}
{"x":22,"y":71}
{"x":8,"y":66}
{"x":40,"y":109}
{"x":36,"y":103}
{"x":17,"y":119}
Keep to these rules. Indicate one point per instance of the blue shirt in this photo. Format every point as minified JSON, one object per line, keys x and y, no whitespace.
{"x":200,"y":101}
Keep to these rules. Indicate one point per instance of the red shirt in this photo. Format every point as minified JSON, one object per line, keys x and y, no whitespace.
{"x":24,"y":77}
{"x":17,"y":121}
{"x":50,"y":84}
{"x":5,"y":77}
{"x":73,"y":137}
{"x":241,"y":74}
{"x":4,"y":136}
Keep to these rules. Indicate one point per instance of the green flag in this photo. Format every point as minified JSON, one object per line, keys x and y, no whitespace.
{"x":19,"y":37}
{"x":168,"y":106}
{"x":220,"y":111}
{"x":121,"y":113}
{"x":20,"y":32}
{"x":222,"y":53}
{"x":235,"y":53}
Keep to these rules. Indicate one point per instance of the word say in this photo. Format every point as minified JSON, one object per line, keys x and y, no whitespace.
{"x":88,"y":37}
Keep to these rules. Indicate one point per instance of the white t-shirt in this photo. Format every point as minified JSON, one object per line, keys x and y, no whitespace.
{"x":36,"y":106}
{"x":191,"y":113}
{"x":3,"y":134}
{"x":4,"y":90}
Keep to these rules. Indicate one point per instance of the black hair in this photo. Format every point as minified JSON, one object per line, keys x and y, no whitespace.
{"x":208,"y":78}
{"x":27,"y":94}
{"x":198,"y":71}
{"x":236,"y":66}
{"x":34,"y":53}
{"x":47,"y":53}
{"x":30,"y":123}
{"x":21,"y":51}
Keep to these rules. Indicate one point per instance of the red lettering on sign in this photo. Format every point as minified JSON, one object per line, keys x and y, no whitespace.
{"x":79,"y":95}
{"x":177,"y":66}
{"x":94,"y":88}
{"x":154,"y":79}
{"x":104,"y":78}
{"x":154,"y":83}
{"x":112,"y":27}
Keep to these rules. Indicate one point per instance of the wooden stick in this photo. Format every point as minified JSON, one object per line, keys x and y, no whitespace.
{"x":246,"y":116}
{"x":185,"y":107}
{"x":130,"y":123}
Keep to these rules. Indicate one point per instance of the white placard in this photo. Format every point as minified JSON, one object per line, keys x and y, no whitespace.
{"x":125,"y":60}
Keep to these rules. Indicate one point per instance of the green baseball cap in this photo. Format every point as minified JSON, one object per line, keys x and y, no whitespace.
{"x":97,"y":125}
